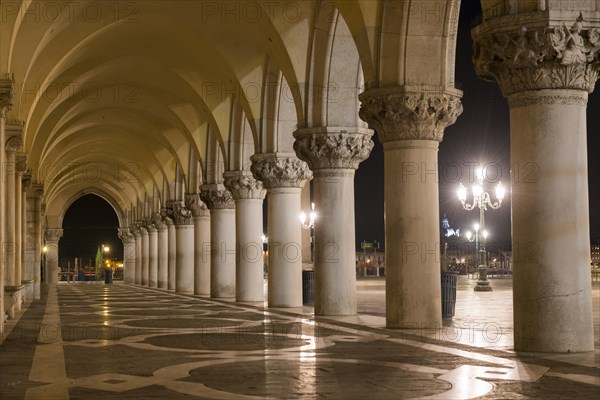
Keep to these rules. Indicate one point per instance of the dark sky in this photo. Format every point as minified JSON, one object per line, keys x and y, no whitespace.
{"x":480,"y":135}
{"x":88,"y":223}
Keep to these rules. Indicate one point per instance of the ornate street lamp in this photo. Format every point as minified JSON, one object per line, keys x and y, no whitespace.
{"x":481,"y":200}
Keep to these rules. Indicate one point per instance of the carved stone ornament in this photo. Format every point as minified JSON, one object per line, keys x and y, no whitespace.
{"x":53,"y":235}
{"x":559,"y":57}
{"x":277,"y":170}
{"x":135,"y":231}
{"x":333,"y":149}
{"x":13,"y":142}
{"x":164,"y":214}
{"x":180,"y":214}
{"x":196,"y":206}
{"x":38,"y":190}
{"x":402,"y":113}
{"x":149,"y":224}
{"x":158,"y":221}
{"x":7,"y":83}
{"x":21,"y":163}
{"x":126,"y":236}
{"x":243,"y":185}
{"x":217,"y":198}
{"x":26,"y":181}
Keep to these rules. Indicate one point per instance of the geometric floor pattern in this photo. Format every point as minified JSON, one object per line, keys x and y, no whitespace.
{"x":95,"y":341}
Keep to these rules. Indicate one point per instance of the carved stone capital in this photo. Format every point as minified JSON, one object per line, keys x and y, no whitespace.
{"x":135,"y":231}
{"x":26,"y":181}
{"x":410,"y":112}
{"x":180,"y":214}
{"x":333,"y":148}
{"x":556,"y":55}
{"x":14,"y":136}
{"x":149,"y":224}
{"x":164,"y":214}
{"x":279,"y":170}
{"x":158,"y":221}
{"x":126,"y":236}
{"x":37,"y":190}
{"x":21,"y":163}
{"x":196,"y":206}
{"x":7,"y":83}
{"x":217,"y":197}
{"x":53,"y":235}
{"x":243,"y":185}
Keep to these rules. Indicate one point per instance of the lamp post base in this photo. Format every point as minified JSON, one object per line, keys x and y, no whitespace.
{"x":483,"y":285}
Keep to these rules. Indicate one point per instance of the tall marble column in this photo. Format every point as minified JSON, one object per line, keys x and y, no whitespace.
{"x":137,"y":234}
{"x":51,"y":263}
{"x":27,"y":273}
{"x":20,"y":168}
{"x":222,"y":240}
{"x":152,"y":253}
{"x":333,"y":154}
{"x":184,"y":264}
{"x":163,"y":251}
{"x":128,"y":240}
{"x":145,"y":254}
{"x":410,"y":122}
{"x":14,"y":140}
{"x":37,"y":191}
{"x":283,"y":175}
{"x":248,"y":194}
{"x":201,"y":243}
{"x":172,"y":249}
{"x":546,"y":69}
{"x":6,"y":96}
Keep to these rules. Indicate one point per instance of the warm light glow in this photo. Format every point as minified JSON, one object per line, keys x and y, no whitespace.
{"x":500,"y":191}
{"x":45,"y":249}
{"x":302,"y":218}
{"x":476,"y":226}
{"x":479,"y":174}
{"x":106,"y":249}
{"x":485,"y":234}
{"x":477,"y":190}
{"x":264,"y":238}
{"x":462,"y":193}
{"x":469,"y":235}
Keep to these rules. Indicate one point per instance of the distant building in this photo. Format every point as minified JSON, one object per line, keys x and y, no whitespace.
{"x":371,"y":260}
{"x":596,"y":255}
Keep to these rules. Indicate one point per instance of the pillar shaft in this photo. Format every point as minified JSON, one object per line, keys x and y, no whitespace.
{"x":201,"y":243}
{"x":410,"y":122}
{"x":128,"y":255}
{"x":163,"y":256}
{"x":51,"y":262}
{"x":248,"y":194}
{"x":153,"y":257}
{"x":172,"y":255}
{"x":18,"y":230}
{"x":222,"y":240}
{"x":145,"y":257}
{"x":10,"y":226}
{"x":37,"y":212}
{"x":138,"y":257}
{"x":283,"y":175}
{"x":184,"y":252}
{"x":333,"y":154}
{"x":551,"y":246}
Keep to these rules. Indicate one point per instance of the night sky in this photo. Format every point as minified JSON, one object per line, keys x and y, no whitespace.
{"x":481,"y":135}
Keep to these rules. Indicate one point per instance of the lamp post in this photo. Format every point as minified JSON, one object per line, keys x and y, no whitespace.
{"x":310,"y":224}
{"x":481,"y":200}
{"x":478,"y":237}
{"x":44,"y":251}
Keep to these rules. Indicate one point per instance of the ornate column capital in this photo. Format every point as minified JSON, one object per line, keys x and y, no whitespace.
{"x":537,"y":54}
{"x":26,"y":181}
{"x":280,"y":170}
{"x":158,"y":221}
{"x":21,"y":163}
{"x":135,"y":231}
{"x":410,"y":112}
{"x":243,"y":185}
{"x":14,"y":136}
{"x":195,"y":205}
{"x":149,"y":225}
{"x":7,"y":82}
{"x":333,"y":148}
{"x":179,"y":213}
{"x":217,"y":197}
{"x":53,"y":235}
{"x":141,"y":228}
{"x":164,"y":214}
{"x":126,"y":236}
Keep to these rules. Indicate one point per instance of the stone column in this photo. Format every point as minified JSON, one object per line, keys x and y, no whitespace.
{"x":27,"y":274}
{"x":172,"y":250}
{"x":307,"y":256}
{"x":546,"y":73}
{"x":201,"y":243}
{"x":20,"y":168}
{"x":163,"y":251}
{"x":152,"y":253}
{"x":52,"y":238}
{"x":248,"y":194}
{"x":222,"y":240}
{"x":410,"y":122}
{"x":128,"y":240}
{"x":333,"y":154}
{"x":145,"y":254}
{"x":6,"y":96}
{"x":38,"y":193}
{"x":283,"y":175}
{"x":13,"y":142}
{"x":137,"y":234}
{"x":184,"y":264}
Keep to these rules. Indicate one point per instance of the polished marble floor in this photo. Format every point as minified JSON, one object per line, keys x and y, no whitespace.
{"x":92,"y":341}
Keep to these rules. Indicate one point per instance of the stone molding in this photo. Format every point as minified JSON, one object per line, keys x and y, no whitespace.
{"x":13,"y":142}
{"x":165,"y":217}
{"x":26,"y":181}
{"x":179,"y":213}
{"x":196,"y":205}
{"x":21,"y":163}
{"x":410,"y":112}
{"x":537,"y":97}
{"x":529,"y":57}
{"x":53,"y":235}
{"x":149,"y":224}
{"x":243,"y":185}
{"x":331,"y":148}
{"x":158,"y":221}
{"x":217,"y":197}
{"x":7,"y":82}
{"x":280,"y":170}
{"x":126,"y":236}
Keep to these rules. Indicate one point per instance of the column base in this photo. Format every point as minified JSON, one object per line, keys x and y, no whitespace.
{"x":483,"y":286}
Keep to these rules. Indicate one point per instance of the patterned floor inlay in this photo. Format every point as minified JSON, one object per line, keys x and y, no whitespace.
{"x":126,"y":342}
